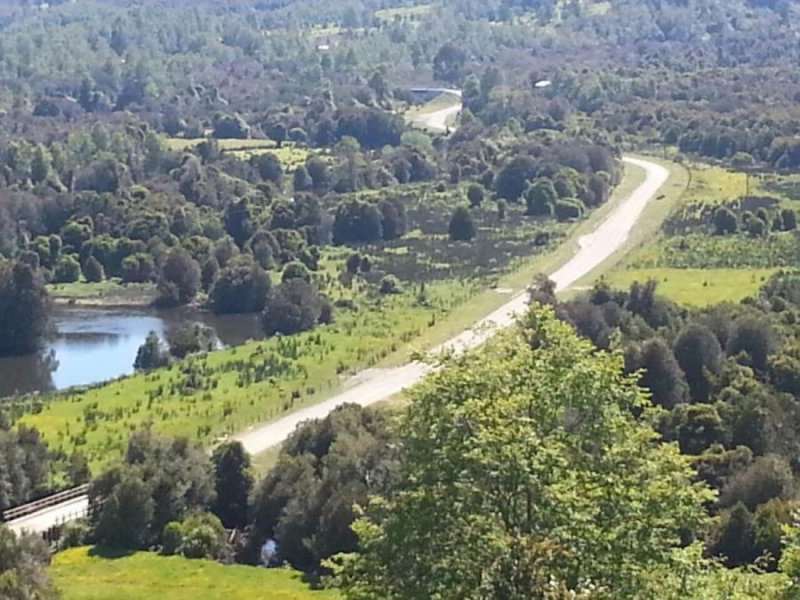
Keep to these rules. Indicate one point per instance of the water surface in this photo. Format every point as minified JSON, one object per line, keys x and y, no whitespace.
{"x":92,"y":345}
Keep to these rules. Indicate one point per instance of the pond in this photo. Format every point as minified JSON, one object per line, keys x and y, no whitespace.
{"x":92,"y":345}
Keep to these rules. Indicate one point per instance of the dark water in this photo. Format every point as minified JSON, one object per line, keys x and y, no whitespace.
{"x":93,"y":345}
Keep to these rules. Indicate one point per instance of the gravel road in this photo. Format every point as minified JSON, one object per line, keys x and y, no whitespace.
{"x":376,"y":385}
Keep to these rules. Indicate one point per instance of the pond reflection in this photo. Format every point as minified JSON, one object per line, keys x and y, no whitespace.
{"x":94,"y":345}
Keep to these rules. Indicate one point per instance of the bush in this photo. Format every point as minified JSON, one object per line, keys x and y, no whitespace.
{"x":93,"y":270}
{"x":74,"y":535}
{"x":172,"y":539}
{"x":461,"y":228}
{"x":569,"y":210}
{"x":475,"y":195}
{"x":150,"y":354}
{"x":294,"y":306}
{"x":203,"y":536}
{"x":296,"y":270}
{"x":68,"y":270}
{"x":725,"y":221}
{"x":179,"y":281}
{"x":390,"y":285}
{"x":241,"y":287}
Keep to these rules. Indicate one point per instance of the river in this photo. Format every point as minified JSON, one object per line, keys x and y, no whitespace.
{"x":92,"y":345}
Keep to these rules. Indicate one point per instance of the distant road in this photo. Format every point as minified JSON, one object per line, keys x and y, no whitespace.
{"x":375,"y":385}
{"x":437,"y":120}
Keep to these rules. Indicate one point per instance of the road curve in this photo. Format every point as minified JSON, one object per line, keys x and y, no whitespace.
{"x":437,"y":121}
{"x":375,"y":385}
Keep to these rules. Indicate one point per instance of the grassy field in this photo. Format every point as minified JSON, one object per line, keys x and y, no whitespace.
{"x":415,"y":115}
{"x":290,"y":155}
{"x":80,"y":575}
{"x":106,"y":293}
{"x":698,"y":287}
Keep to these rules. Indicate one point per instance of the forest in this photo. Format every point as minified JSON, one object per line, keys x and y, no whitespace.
{"x":634,"y":438}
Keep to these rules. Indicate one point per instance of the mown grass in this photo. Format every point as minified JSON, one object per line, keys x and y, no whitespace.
{"x":83,"y":574}
{"x":698,"y":287}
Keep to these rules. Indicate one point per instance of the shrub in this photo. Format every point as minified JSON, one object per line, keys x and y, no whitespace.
{"x":461,"y":228}
{"x":172,"y":539}
{"x":68,"y":270}
{"x":569,"y":210}
{"x":390,"y":285}
{"x":93,"y":270}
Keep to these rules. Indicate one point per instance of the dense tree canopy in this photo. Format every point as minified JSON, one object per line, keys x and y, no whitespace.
{"x":507,"y":455}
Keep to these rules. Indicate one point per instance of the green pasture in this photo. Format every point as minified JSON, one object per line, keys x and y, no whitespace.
{"x":87,"y":574}
{"x":698,"y":287}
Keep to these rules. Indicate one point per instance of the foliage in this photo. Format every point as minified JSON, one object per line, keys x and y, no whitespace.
{"x":24,"y":305}
{"x":179,"y":280}
{"x":241,"y":287}
{"x":507,"y":453}
{"x":233,"y":482}
{"x":306,"y":502}
{"x":161,"y":481}
{"x":23,"y":568}
{"x":199,"y":536}
{"x":461,"y":228}
{"x":293,"y":306}
{"x":151,"y":354}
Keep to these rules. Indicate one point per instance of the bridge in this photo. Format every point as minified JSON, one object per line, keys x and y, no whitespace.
{"x":42,"y":515}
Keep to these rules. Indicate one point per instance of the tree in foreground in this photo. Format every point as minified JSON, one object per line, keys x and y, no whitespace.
{"x":527,"y":475}
{"x":233,"y":483}
{"x":23,"y":568}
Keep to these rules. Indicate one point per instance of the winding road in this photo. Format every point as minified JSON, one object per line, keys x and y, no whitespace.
{"x":375,"y":385}
{"x":436,"y":121}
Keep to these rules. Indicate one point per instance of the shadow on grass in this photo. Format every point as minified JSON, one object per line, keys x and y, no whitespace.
{"x":110,"y":553}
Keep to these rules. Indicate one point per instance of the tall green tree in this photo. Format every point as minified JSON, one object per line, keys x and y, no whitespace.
{"x":526,"y":474}
{"x":24,"y":309}
{"x":233,"y":481}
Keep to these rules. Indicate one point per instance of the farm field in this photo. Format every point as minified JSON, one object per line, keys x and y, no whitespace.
{"x":697,"y":287}
{"x":104,"y":293}
{"x":696,"y":265}
{"x":82,"y":575}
